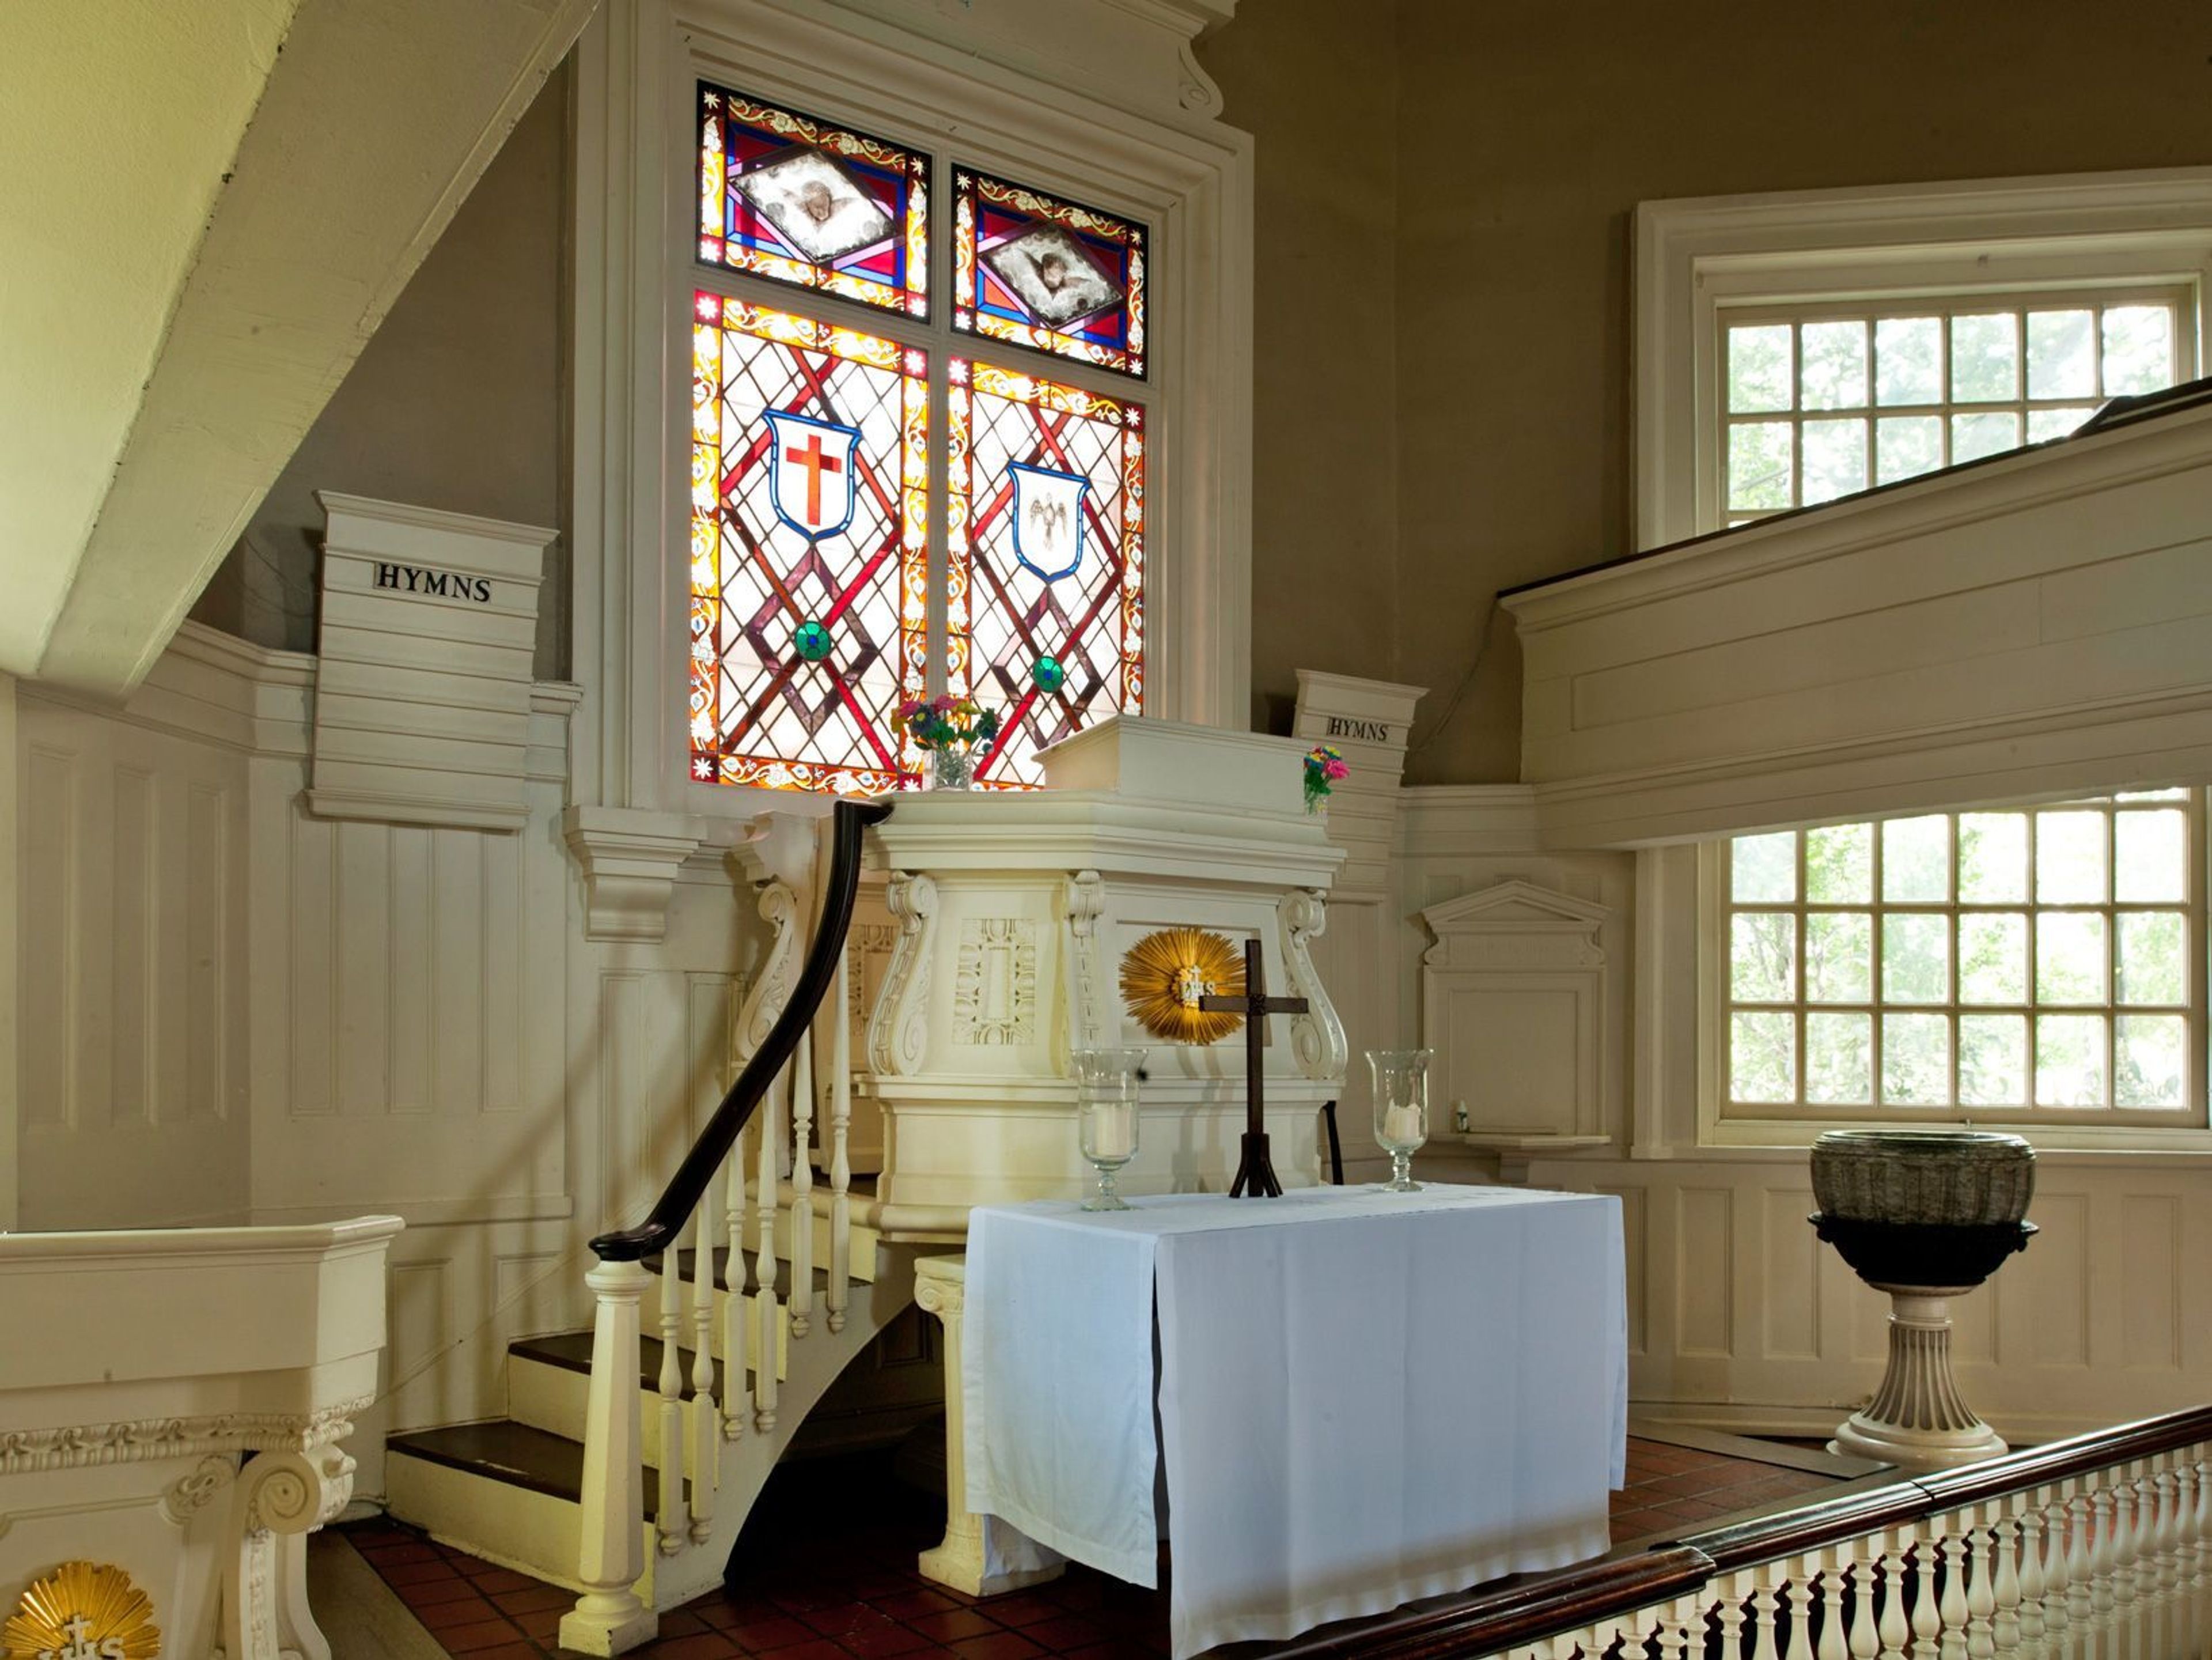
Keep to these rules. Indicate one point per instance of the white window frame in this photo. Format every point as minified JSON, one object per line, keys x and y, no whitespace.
{"x":1696,"y":258}
{"x":1723,"y":1122}
{"x":1177,"y":170}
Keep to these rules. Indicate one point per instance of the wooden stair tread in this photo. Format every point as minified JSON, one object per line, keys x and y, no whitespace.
{"x":503,"y":1451}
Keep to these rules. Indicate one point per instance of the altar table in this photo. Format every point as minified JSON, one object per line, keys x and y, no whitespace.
{"x":1362,"y":1398}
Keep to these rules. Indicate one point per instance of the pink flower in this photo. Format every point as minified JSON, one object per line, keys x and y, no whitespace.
{"x":946,"y":704}
{"x":910,"y":707}
{"x":1334,"y":770}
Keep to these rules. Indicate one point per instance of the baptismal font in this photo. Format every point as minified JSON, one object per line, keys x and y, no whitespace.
{"x":1924,"y":1216}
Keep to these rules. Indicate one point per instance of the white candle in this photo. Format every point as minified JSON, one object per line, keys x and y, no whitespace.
{"x":1113,"y":1130}
{"x":1403,"y":1125}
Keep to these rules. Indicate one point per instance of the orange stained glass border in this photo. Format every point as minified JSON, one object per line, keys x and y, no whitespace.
{"x":908,"y":294}
{"x":713,"y":315}
{"x":971,"y":186}
{"x":968,"y":377}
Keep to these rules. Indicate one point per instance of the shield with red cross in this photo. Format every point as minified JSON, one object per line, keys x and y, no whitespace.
{"x":809,"y":480}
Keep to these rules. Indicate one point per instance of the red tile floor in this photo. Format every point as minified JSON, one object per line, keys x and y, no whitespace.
{"x":825,"y":1571}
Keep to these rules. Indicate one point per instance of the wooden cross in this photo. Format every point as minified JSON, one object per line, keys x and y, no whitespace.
{"x":1255,"y":1173}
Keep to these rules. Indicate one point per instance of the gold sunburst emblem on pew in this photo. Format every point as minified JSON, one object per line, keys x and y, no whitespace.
{"x":1166,"y":973}
{"x":82,"y":1611}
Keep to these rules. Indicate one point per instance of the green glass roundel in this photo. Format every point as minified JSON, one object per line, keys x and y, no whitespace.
{"x":1048,"y":673}
{"x":811,"y":641}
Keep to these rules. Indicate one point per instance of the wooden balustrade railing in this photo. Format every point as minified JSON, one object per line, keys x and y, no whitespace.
{"x":2097,"y":1546}
{"x":708,"y":1193}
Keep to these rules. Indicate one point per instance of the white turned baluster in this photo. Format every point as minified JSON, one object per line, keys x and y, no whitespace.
{"x":1830,"y":1567}
{"x":1951,"y":1600}
{"x":1890,"y":1626}
{"x":2103,"y":1550}
{"x":673,"y":1526}
{"x":737,"y":1395}
{"x":2033,"y":1627}
{"x":1729,"y":1612}
{"x":841,"y":1161}
{"x":1683,"y":1628}
{"x":706,"y":1416}
{"x":1981,"y":1596}
{"x":2057,"y":1528}
{"x":2004,"y":1583}
{"x":802,"y":1187}
{"x":2127,"y":1545}
{"x":1864,"y":1640}
{"x":1927,"y":1622}
{"x":2195,"y":1494}
{"x":1765,"y":1613}
{"x":2165,"y":1540}
{"x":610,"y":1553}
{"x":766,"y":1347}
{"x":2080,"y":1561}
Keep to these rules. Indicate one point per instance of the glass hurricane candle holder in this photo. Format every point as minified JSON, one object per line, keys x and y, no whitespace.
{"x":1106,"y":1116}
{"x":1402,"y":1109}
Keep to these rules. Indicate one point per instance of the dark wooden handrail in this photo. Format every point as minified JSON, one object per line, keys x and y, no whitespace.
{"x":1526,"y":1609}
{"x":658,"y":1232}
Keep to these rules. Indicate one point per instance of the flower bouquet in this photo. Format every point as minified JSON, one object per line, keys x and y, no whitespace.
{"x":949,"y":728}
{"x":1325,"y":769}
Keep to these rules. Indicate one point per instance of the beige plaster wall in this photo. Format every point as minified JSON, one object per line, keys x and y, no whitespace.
{"x":458,"y":401}
{"x":1316,"y":81}
{"x":1527,"y":132}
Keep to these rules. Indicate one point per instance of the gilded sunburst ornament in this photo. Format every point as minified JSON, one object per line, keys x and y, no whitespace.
{"x":82,"y":1611}
{"x":1164,"y":974}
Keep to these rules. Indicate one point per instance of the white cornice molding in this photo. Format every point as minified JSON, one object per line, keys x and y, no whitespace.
{"x":143,"y":1440}
{"x":2004,"y":485}
{"x":1448,"y":821}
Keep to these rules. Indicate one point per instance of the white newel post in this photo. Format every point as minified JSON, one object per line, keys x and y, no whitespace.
{"x":609,"y":1618}
{"x":981,"y":1555}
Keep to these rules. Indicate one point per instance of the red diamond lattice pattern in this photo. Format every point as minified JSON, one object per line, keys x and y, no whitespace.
{"x":1002,"y":616}
{"x":761,"y":714}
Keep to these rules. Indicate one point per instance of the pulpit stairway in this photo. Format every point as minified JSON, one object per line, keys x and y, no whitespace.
{"x":631,"y":1452}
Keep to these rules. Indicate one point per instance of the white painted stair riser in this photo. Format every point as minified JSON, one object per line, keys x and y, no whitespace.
{"x":554,"y":1398}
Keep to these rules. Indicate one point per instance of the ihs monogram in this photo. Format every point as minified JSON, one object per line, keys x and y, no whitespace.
{"x":82,"y":1611}
{"x":81,"y":1646}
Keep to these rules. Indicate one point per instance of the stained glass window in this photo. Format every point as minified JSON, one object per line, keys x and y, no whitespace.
{"x":785,"y":196}
{"x":1045,"y":519}
{"x":1041,"y":272}
{"x":810,"y":555}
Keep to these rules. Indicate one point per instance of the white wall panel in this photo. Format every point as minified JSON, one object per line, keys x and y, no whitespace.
{"x":131,"y":1058}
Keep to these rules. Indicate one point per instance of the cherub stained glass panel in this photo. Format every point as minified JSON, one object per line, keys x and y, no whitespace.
{"x":810,"y":548}
{"x":1045,"y":526}
{"x":788,"y":197}
{"x":1048,"y":274}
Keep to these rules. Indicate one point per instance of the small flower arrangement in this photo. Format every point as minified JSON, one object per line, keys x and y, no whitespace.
{"x":948,"y":728}
{"x":1325,"y":770}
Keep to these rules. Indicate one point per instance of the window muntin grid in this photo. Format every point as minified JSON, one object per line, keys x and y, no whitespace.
{"x":2032,"y":963}
{"x":1821,"y":399}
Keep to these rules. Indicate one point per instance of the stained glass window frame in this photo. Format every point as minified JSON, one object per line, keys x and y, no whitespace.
{"x":970,"y":378}
{"x":906,"y":170}
{"x":710,"y":756}
{"x":1104,"y":235}
{"x":932,"y":646}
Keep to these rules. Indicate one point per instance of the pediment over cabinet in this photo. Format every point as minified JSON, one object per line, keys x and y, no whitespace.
{"x":1513,"y":1003}
{"x":1516,"y":924}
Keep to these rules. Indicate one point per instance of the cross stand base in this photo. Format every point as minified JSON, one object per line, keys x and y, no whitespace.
{"x":1255,"y":1171}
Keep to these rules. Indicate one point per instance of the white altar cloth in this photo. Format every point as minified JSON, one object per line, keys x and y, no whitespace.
{"x":1363,"y":1398}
